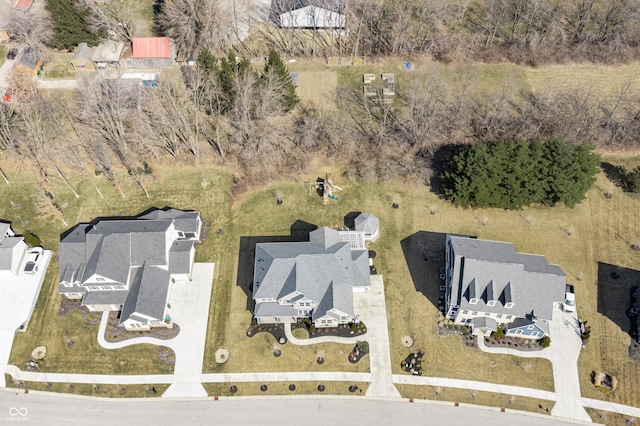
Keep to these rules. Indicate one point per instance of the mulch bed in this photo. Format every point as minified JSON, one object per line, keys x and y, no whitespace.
{"x":67,"y":306}
{"x":276,"y":330}
{"x":517,"y":343}
{"x":342,"y":330}
{"x":413,"y":363}
{"x":117,"y":333}
{"x":167,"y":355}
{"x":358,"y":352}
{"x":468,"y":339}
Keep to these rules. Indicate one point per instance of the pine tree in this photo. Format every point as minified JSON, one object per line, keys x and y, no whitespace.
{"x":71,"y":24}
{"x":276,"y":67}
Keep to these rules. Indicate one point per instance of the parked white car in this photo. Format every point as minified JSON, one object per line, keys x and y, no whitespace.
{"x":569,"y":304}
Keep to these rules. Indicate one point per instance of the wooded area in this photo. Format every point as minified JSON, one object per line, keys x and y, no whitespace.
{"x":226,"y":111}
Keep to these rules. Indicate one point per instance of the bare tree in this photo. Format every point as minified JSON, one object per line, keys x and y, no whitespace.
{"x":23,"y":86}
{"x":32,"y":29}
{"x":116,"y":18}
{"x":195,"y":25}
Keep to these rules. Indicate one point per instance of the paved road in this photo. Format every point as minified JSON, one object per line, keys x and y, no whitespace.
{"x":57,"y":84}
{"x":54,"y":410}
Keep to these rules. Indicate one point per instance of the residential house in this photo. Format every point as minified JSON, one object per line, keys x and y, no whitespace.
{"x":82,"y":57}
{"x":489,"y":284}
{"x":309,"y":14}
{"x":129,"y":264}
{"x":107,"y":54}
{"x":314,"y":279}
{"x":30,"y":62}
{"x":12,"y":249}
{"x":150,"y":52}
{"x":23,"y":5}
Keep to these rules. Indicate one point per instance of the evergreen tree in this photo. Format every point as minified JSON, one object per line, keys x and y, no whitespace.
{"x":511,"y":174}
{"x":276,"y":68}
{"x":71,"y":24}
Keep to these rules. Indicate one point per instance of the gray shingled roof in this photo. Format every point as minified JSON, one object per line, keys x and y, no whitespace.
{"x":274,"y":310}
{"x":83,"y":52}
{"x":493,"y":270}
{"x":6,"y":251}
{"x":148,"y":293}
{"x":485,"y":322}
{"x":323,"y":270}
{"x":117,"y":249}
{"x":111,"y":297}
{"x":180,"y":256}
{"x":183,"y":220}
{"x":367,"y":223}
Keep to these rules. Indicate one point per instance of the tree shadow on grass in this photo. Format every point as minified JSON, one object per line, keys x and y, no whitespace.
{"x":615,"y":294}
{"x":616,"y":174}
{"x":424,"y":253}
{"x":246,"y":256}
{"x":438,"y":164}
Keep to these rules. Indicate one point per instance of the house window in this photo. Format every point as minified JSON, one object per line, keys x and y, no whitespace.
{"x":509,"y":317}
{"x":491,"y":303}
{"x":535,"y":334}
{"x":518,"y":331}
{"x":487,"y":314}
{"x":465,"y":312}
{"x":473,"y":301}
{"x":530,"y":327}
{"x":99,"y":279}
{"x":474,"y":313}
{"x":499,"y":316}
{"x":508,"y":305}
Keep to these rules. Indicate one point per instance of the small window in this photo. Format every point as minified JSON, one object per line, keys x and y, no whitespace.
{"x":465,"y":312}
{"x":474,"y":313}
{"x":518,"y":331}
{"x":508,"y":305}
{"x":499,"y":316}
{"x":530,"y":327}
{"x":99,"y":279}
{"x":473,"y":301}
{"x":509,"y":317}
{"x":487,"y":314}
{"x":535,"y":334}
{"x":491,"y":303}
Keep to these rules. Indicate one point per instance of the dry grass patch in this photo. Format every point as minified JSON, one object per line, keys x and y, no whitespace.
{"x":599,"y":79}
{"x":97,"y":390}
{"x":465,"y":396}
{"x":58,"y":66}
{"x":282,"y":388}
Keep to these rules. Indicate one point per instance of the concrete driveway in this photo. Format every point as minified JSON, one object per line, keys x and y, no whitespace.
{"x":563,"y":354}
{"x":18,"y":296}
{"x":189,"y":301}
{"x":372,"y":309}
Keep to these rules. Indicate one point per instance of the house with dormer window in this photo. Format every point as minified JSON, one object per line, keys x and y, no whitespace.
{"x":128,"y":265}
{"x":314,"y":279}
{"x":489,"y":284}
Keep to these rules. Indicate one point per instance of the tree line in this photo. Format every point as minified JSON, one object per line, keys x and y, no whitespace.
{"x":529,"y":32}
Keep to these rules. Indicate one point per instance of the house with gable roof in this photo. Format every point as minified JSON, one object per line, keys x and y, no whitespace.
{"x":309,"y":14}
{"x":128,"y":265}
{"x":314,"y":279}
{"x":489,"y":284}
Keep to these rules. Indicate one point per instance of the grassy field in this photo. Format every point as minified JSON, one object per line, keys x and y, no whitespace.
{"x":464,"y":396}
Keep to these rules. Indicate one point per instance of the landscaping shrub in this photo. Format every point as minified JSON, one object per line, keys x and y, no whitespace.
{"x":545,"y":341}
{"x":498,"y":333}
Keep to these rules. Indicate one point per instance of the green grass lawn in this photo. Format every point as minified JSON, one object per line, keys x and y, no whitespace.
{"x":411,"y":282}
